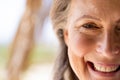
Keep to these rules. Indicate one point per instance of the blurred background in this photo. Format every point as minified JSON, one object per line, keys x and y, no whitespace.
{"x":28,"y":45}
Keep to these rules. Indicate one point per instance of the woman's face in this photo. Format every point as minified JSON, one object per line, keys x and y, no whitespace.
{"x":92,"y":35}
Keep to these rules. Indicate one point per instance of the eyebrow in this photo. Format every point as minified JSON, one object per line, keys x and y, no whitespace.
{"x":88,"y":17}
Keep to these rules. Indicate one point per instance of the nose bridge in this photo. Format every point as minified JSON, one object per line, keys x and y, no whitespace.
{"x":106,"y":43}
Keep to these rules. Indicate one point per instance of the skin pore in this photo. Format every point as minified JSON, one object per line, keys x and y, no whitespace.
{"x":92,"y":35}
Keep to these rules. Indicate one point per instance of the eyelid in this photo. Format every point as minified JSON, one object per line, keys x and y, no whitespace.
{"x":94,"y":26}
{"x":81,"y":23}
{"x":89,"y":31}
{"x":87,"y":20}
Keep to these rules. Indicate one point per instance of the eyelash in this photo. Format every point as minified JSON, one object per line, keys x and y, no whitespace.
{"x":90,"y":26}
{"x":90,"y":29}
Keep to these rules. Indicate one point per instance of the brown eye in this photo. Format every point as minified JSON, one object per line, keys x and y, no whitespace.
{"x":90,"y":26}
{"x":118,"y":28}
{"x":90,"y":29}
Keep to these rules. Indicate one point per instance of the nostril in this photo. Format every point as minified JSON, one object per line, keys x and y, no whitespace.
{"x":108,"y":51}
{"x":99,"y":49}
{"x":116,"y":50}
{"x":103,"y":49}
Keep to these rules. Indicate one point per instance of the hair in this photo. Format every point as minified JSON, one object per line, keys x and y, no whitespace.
{"x":59,"y":15}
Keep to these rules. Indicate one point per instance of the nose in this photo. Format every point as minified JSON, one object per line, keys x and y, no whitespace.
{"x":108,"y":45}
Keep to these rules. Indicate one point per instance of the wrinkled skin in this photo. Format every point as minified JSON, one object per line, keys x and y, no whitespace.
{"x":92,"y":35}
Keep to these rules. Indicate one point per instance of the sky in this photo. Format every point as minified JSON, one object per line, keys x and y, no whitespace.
{"x":10,"y":15}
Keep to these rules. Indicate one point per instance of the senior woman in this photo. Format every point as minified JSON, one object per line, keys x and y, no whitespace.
{"x":89,"y":34}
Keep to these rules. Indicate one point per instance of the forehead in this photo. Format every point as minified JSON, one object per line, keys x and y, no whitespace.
{"x":98,"y":3}
{"x":99,"y":8}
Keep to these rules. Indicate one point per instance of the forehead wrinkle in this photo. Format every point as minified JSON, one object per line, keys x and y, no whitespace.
{"x":104,"y":10}
{"x":98,"y":4}
{"x":88,"y":17}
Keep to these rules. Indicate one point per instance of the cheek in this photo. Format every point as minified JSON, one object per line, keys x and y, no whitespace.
{"x":78,"y":47}
{"x":78,"y":65}
{"x":81,"y":45}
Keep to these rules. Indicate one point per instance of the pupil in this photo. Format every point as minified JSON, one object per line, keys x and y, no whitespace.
{"x":89,"y":26}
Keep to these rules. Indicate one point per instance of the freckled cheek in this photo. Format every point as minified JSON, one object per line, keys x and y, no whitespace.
{"x":82,"y":45}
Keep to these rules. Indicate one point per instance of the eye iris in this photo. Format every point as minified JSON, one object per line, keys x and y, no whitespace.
{"x":89,"y":26}
{"x":118,"y":28}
